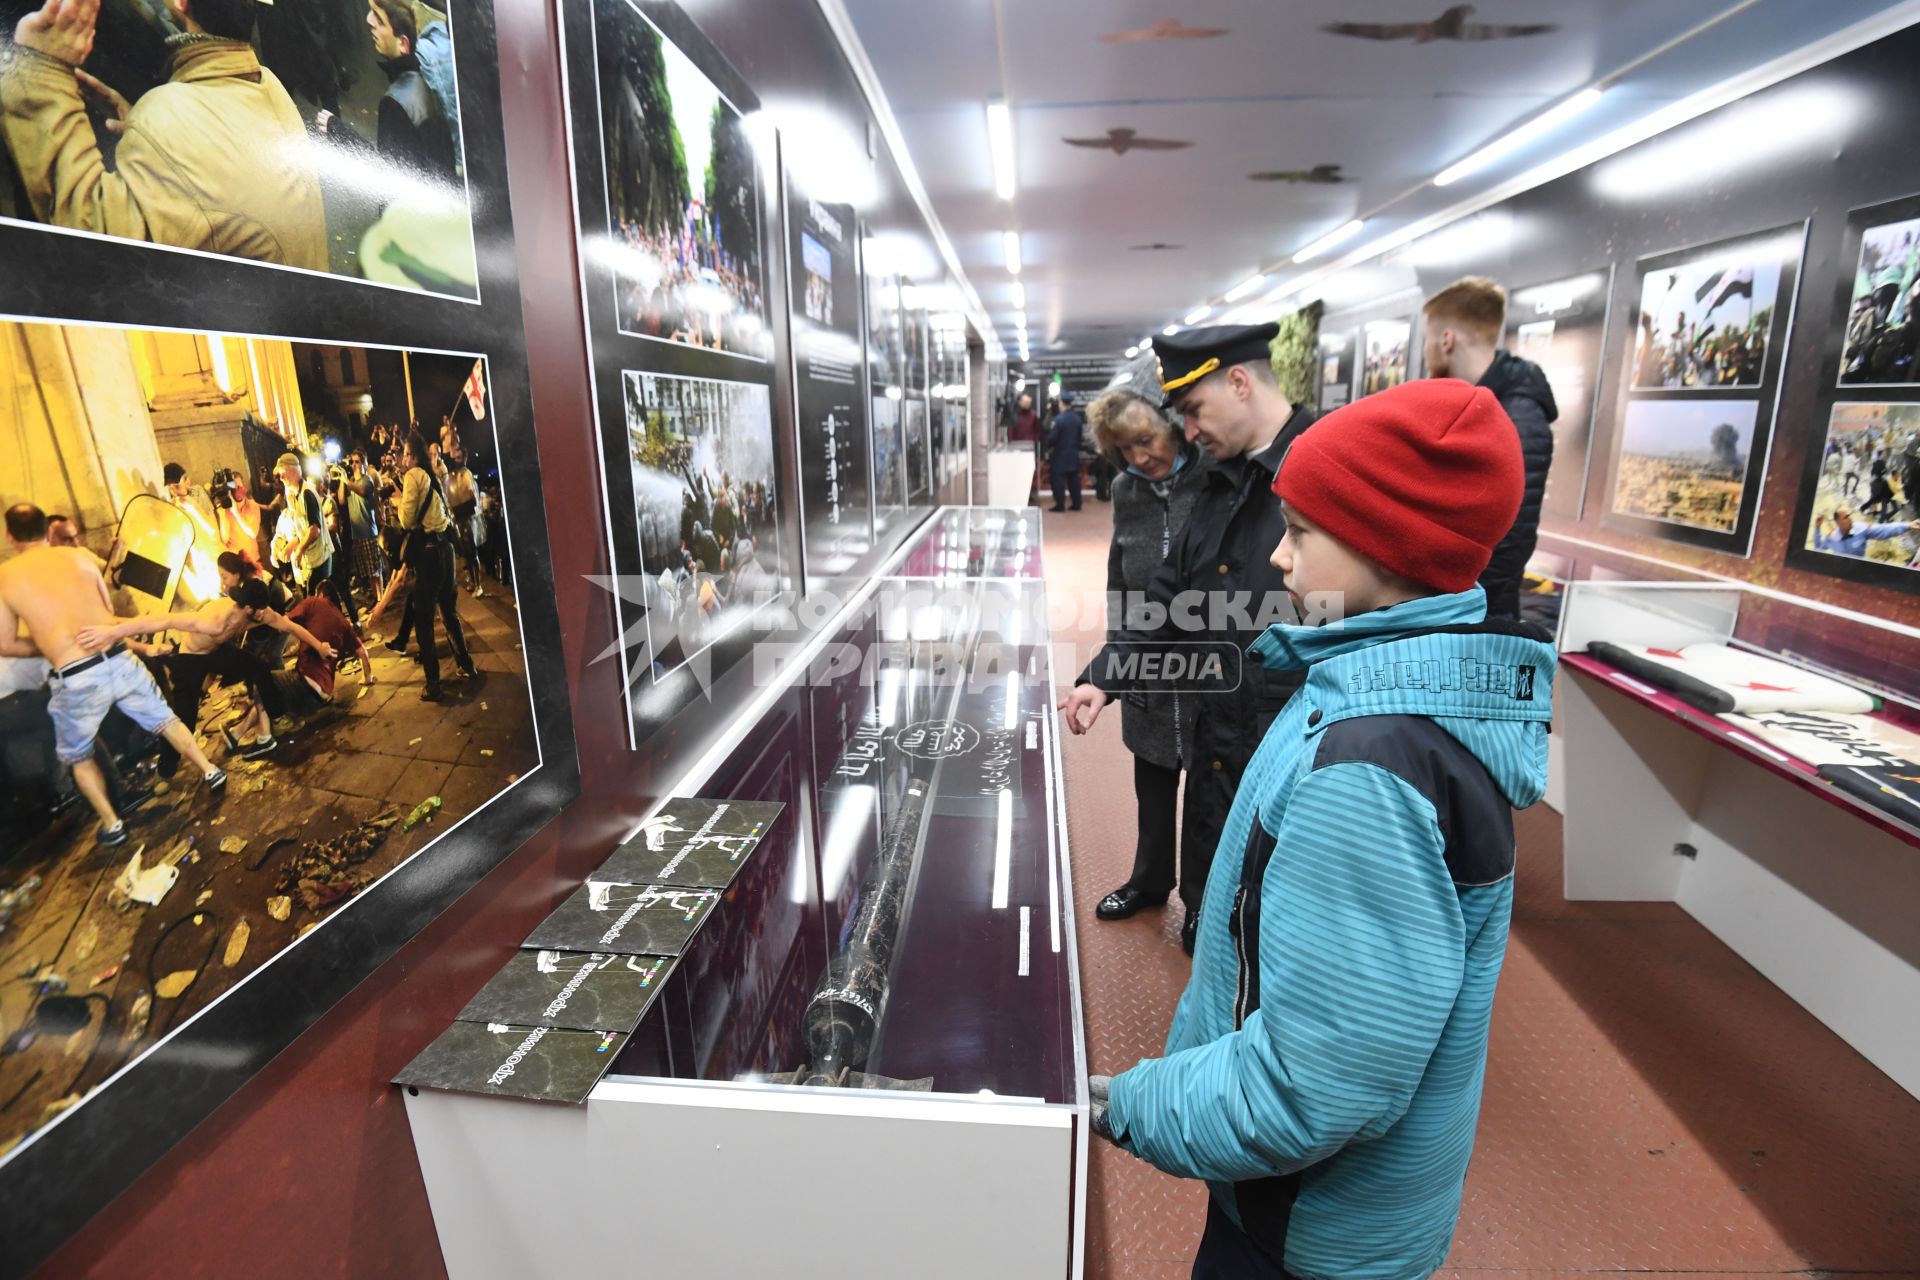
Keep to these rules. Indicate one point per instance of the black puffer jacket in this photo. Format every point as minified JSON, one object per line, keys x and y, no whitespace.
{"x":1521,"y":387}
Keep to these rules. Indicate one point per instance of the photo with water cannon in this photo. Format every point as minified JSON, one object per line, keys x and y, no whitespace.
{"x":683,"y":194}
{"x":704,"y":492}
{"x":259,"y":647}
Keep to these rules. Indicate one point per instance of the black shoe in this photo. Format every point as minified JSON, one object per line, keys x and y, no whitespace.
{"x":1056,"y":508}
{"x":393,"y":648}
{"x":1188,"y":930}
{"x":111,"y":836}
{"x":216,"y":781}
{"x":1126,"y":901}
{"x":433,"y":695}
{"x":233,"y":743}
{"x":468,"y":670}
{"x":1074,"y":507}
{"x":253,"y":751}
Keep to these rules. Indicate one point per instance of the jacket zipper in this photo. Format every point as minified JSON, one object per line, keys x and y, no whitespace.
{"x":1237,"y":923}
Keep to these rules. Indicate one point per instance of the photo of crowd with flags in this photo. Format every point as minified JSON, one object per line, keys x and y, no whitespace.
{"x":683,"y":196}
{"x":704,"y":488}
{"x":1883,"y":319}
{"x":1707,"y":323}
{"x":1867,"y":502}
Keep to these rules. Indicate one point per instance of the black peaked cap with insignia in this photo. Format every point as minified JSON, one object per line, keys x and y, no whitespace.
{"x":1191,"y":354}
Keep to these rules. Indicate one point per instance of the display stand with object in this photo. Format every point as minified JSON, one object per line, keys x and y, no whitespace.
{"x":867,"y":1057}
{"x":1816,"y":885}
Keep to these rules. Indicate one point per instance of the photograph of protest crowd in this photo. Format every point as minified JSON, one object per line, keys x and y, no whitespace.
{"x":704,"y":494}
{"x":323,"y":137}
{"x":1866,"y":504}
{"x":1385,"y":361}
{"x":683,"y":193}
{"x":1686,"y":461}
{"x":1706,"y":323}
{"x":258,"y":647}
{"x":1883,"y":318}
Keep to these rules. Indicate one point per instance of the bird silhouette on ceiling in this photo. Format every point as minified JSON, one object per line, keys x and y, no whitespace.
{"x":1121,"y":141}
{"x":1451,"y":25}
{"x":1165,"y":29}
{"x":1158,"y":246}
{"x":1326,"y":173}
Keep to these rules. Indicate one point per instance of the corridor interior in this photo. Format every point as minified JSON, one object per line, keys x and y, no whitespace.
{"x":1653,"y":1104}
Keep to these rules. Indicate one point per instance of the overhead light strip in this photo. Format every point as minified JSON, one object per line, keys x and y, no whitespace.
{"x":1000,"y":140}
{"x":1538,"y":127}
{"x":1338,"y":236}
{"x":1010,"y":243}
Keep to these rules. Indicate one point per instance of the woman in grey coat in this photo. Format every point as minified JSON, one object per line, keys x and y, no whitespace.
{"x":1152,"y":498}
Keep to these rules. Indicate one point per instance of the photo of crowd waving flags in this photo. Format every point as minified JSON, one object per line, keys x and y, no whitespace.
{"x":683,"y":195}
{"x":321,"y":137}
{"x":261,"y":651}
{"x":1883,"y":317}
{"x":1706,"y":323}
{"x":1866,"y":504}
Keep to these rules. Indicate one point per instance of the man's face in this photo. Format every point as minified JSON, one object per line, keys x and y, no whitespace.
{"x":290,"y":475}
{"x":1217,"y":414}
{"x":385,"y":42}
{"x":60,"y":533}
{"x":179,"y":487}
{"x":1026,"y":404}
{"x":1843,"y":521}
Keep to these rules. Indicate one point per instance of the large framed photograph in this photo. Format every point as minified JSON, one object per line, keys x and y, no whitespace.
{"x":1860,"y":511}
{"x":1882,"y":310}
{"x":706,"y":509}
{"x":678,"y":198}
{"x":1562,"y":327}
{"x":223,"y":797}
{"x":322,"y":139}
{"x":1386,"y":343}
{"x":684,"y":211}
{"x":1700,"y":388}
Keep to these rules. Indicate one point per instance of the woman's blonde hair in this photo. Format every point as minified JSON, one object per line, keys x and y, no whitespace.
{"x":1119,"y":415}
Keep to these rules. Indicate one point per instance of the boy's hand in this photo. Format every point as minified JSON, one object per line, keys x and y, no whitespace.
{"x":1084,"y":697}
{"x":1097,"y":1106}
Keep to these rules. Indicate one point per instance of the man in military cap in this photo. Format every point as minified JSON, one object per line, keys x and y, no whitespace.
{"x":1218,"y":583}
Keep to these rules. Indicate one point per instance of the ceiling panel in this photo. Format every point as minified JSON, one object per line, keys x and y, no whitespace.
{"x":1276,"y":93}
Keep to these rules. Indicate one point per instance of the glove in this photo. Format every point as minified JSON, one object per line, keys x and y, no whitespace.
{"x":1097,"y":1106}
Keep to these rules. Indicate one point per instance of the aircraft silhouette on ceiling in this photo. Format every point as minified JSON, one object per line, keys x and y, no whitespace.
{"x":1451,"y":25}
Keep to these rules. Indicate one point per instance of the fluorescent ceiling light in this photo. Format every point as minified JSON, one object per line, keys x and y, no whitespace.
{"x":1000,"y":139}
{"x":1170,"y":330}
{"x":1541,"y":125}
{"x":1198,"y":314}
{"x":1767,"y":128}
{"x":1132,"y":352}
{"x":1019,"y":295}
{"x":1339,"y":235}
{"x":1011,"y":240}
{"x":1244,"y":288}
{"x":1020,"y":320}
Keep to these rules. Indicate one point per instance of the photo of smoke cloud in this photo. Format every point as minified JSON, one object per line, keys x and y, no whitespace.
{"x":1883,"y":318}
{"x":1385,"y":363}
{"x":1686,"y":461}
{"x":704,"y":492}
{"x":683,"y":196}
{"x":258,"y":648}
{"x":324,"y":137}
{"x":1707,"y":323}
{"x":1866,"y":505}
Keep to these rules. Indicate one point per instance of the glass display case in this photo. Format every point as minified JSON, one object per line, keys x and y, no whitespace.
{"x":1716,"y":746}
{"x":882,"y":1016}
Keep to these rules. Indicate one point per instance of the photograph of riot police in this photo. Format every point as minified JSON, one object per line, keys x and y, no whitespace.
{"x":1220,"y":380}
{"x":319,"y":136}
{"x":208,"y":747}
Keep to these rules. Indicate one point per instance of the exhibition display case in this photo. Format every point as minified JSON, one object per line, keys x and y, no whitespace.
{"x":888,"y":989}
{"x":1770,"y":794}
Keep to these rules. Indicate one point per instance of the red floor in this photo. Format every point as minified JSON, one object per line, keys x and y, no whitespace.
{"x":1652,"y":1103}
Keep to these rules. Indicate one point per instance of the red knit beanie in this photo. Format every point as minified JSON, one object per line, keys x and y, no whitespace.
{"x":1424,"y":479}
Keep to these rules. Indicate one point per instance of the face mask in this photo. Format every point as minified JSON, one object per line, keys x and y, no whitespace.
{"x":1179,"y":461}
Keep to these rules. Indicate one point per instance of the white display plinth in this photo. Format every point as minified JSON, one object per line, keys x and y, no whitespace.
{"x":1010,"y":470}
{"x":663,"y":1178}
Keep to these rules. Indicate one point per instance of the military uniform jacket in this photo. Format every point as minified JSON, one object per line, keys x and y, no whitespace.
{"x":1222,"y":562}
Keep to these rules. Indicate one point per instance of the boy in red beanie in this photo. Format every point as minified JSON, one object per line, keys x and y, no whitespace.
{"x":1324,"y":1068}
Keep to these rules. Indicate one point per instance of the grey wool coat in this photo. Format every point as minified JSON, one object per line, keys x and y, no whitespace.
{"x":1147,"y":517}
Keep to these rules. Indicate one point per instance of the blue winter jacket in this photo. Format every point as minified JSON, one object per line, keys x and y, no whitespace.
{"x":1324,"y":1068}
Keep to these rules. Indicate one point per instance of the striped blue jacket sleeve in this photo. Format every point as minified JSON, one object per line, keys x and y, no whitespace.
{"x":1361,"y":959}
